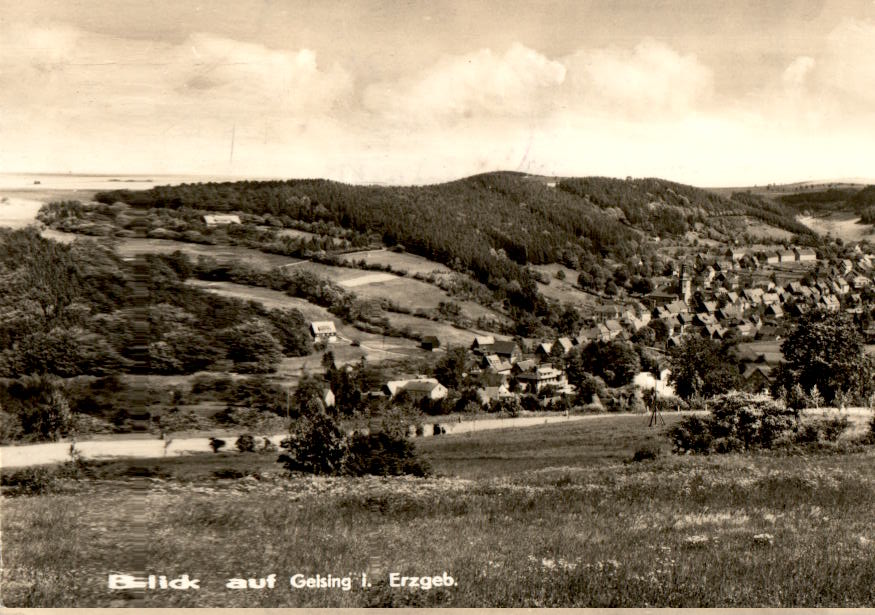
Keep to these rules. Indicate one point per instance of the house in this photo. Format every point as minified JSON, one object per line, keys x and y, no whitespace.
{"x":661,"y":386}
{"x":416,"y":388}
{"x":507,"y":350}
{"x":323,"y":331}
{"x":804,"y":255}
{"x":542,"y":376}
{"x":545,"y":349}
{"x":735,"y":254}
{"x":705,"y":320}
{"x":786,"y":256}
{"x":430,"y":342}
{"x":746,"y":329}
{"x":496,"y":364}
{"x":771,"y":298}
{"x":677,"y":307}
{"x":708,"y":307}
{"x":481,"y":341}
{"x":754,"y":295}
{"x":757,"y":377}
{"x":486,"y":395}
{"x":220,"y":219}
{"x":859,"y":282}
{"x":521,"y":367}
{"x":715,"y":332}
{"x":846,"y":266}
{"x":830,"y":302}
{"x":428,"y":389}
{"x":775,"y":310}
{"x":840,"y":287}
{"x":328,"y":398}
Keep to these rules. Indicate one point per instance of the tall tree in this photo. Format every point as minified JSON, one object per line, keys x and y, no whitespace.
{"x":826,"y":350}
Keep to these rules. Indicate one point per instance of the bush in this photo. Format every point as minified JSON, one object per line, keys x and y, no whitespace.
{"x":755,"y":420}
{"x":383,"y":454}
{"x":737,"y":421}
{"x":245,"y":443}
{"x":647,"y":452}
{"x":834,"y":427}
{"x":823,"y":430}
{"x":691,"y":435}
{"x":315,"y":446}
{"x":216,"y":444}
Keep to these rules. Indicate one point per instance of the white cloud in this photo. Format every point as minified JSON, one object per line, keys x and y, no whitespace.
{"x":651,"y":78}
{"x":482,"y":83}
{"x":797,"y":72}
{"x":849,"y":62}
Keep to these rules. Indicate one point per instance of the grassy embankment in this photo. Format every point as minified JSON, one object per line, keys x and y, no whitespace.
{"x":546,"y":516}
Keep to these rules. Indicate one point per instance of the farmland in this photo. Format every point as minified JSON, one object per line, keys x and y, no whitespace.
{"x":558,"y":509}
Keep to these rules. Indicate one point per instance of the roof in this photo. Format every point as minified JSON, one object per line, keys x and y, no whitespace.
{"x":323,"y":326}
{"x":424,"y":386}
{"x":222,"y":219}
{"x":483,"y":340}
{"x":504,"y":347}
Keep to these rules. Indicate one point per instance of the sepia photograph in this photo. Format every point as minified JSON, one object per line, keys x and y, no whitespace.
{"x":448,"y":303}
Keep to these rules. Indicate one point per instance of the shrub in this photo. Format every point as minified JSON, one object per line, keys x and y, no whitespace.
{"x":755,"y":420}
{"x":691,"y":435}
{"x":216,"y":444}
{"x":245,"y":443}
{"x":823,"y":430}
{"x":647,"y":452}
{"x":382,"y":454}
{"x":834,"y":427}
{"x":315,"y":445}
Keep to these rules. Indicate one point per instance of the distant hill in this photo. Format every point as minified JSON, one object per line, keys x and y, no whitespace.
{"x":493,"y":224}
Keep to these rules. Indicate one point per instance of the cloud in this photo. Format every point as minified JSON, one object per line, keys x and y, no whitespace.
{"x":61,"y":71}
{"x":797,"y":72}
{"x":482,"y":83}
{"x":651,"y":78}
{"x":849,"y":61}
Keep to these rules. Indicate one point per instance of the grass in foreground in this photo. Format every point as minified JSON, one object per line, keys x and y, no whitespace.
{"x":534,"y":521}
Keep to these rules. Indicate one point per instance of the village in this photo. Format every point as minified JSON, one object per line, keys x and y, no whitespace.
{"x":748,"y":297}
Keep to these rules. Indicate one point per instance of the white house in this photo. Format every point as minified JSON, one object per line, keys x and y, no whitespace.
{"x":324,"y":331}
{"x":218,"y":219}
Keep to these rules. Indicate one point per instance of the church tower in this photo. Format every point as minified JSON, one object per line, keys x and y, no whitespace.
{"x":685,"y":287}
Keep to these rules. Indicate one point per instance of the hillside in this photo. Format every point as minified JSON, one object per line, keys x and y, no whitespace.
{"x":490,"y":225}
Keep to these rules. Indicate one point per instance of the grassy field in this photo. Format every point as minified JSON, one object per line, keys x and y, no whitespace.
{"x":565,"y":290}
{"x":400,"y":261}
{"x":544,"y":516}
{"x":842,"y":225}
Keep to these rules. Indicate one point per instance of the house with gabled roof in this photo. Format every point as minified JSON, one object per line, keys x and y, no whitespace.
{"x":804,"y":255}
{"x":323,"y":331}
{"x":786,"y":256}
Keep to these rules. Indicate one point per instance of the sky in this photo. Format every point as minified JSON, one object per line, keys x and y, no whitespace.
{"x":702,"y":92}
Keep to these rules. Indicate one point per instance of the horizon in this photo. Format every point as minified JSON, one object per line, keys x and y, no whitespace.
{"x":854,"y":181}
{"x":426,"y":93}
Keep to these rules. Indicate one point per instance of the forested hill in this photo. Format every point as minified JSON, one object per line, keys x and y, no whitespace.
{"x":490,"y":224}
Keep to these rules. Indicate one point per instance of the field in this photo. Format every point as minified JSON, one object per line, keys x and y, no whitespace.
{"x":565,"y":290}
{"x":845,"y":226}
{"x":537,"y":517}
{"x":400,"y":261}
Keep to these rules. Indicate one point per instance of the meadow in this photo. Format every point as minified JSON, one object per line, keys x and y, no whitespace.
{"x":552,"y":516}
